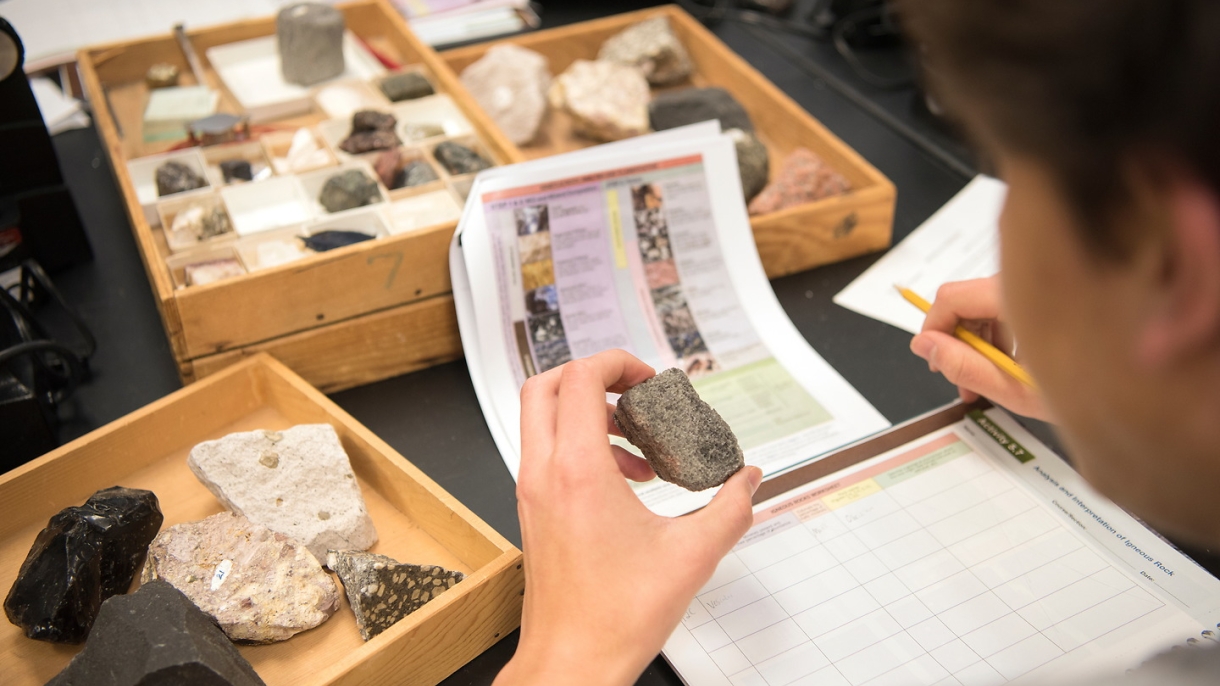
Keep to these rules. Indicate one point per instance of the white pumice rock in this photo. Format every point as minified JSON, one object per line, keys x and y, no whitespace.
{"x":510,"y":83}
{"x":297,"y":482}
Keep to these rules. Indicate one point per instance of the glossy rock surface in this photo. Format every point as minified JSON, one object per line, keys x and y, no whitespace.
{"x":156,"y":637}
{"x":85,"y":555}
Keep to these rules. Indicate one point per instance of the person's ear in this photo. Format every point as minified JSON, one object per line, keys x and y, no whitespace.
{"x":1185,"y":316}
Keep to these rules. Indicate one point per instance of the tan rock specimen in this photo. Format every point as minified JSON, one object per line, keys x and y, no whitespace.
{"x":298,"y":482}
{"x":258,"y":585}
{"x":651,"y":46}
{"x":607,"y":101}
{"x":804,"y":177}
{"x":510,"y":83}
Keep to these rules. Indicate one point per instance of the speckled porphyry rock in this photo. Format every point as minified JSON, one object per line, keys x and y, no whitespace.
{"x":85,"y":555}
{"x":156,"y":637}
{"x":683,"y":438}
{"x":298,"y":482}
{"x":260,"y":586}
{"x":382,"y":590}
{"x":652,"y":47}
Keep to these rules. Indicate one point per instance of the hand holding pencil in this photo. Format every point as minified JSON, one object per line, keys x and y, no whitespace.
{"x":966,"y":359}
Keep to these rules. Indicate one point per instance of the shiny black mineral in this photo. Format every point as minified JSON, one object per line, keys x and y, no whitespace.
{"x":330,"y":240}
{"x":239,"y":170}
{"x":345,"y":190}
{"x":85,"y":555}
{"x":459,"y":159}
{"x":156,"y":637}
{"x":176,"y":177}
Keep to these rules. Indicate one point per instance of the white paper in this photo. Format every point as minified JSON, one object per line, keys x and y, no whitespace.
{"x":59,"y":112}
{"x":716,"y":274}
{"x":960,"y":241}
{"x":944,"y":560}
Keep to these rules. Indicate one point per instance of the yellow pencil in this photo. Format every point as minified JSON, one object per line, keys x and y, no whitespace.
{"x":988,"y":350}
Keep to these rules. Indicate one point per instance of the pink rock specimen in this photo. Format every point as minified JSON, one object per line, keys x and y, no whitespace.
{"x":805,"y":177}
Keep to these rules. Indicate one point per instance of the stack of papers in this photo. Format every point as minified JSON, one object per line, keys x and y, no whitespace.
{"x":59,"y":112}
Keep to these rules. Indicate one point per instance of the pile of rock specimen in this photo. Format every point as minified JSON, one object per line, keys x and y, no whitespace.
{"x":253,"y":574}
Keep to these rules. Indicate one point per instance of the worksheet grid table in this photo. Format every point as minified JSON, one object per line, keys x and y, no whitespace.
{"x":955,"y":576}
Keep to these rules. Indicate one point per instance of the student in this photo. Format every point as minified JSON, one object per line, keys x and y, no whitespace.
{"x":1104,"y":118}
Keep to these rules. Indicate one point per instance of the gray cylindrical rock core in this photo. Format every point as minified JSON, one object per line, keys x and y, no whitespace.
{"x":311,"y":42}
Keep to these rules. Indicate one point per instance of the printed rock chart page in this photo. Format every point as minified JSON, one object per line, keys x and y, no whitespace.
{"x":651,"y":256}
{"x":971,"y":556}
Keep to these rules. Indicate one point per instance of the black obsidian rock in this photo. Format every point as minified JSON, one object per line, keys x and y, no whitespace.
{"x":459,"y":159}
{"x":156,"y":637}
{"x":330,"y":240}
{"x":85,"y":555}
{"x":692,"y":105}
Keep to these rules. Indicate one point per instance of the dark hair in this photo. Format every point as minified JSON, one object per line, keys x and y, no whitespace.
{"x":1088,"y":87}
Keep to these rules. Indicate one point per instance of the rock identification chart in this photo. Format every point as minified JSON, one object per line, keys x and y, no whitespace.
{"x":971,"y":556}
{"x":644,"y":247}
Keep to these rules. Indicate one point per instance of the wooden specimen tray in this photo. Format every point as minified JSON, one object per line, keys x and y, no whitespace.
{"x":416,"y":521}
{"x":788,"y":241}
{"x":327,"y":315}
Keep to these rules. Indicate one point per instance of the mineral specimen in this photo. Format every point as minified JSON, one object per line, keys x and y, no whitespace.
{"x":348,"y":189}
{"x":753,"y":162}
{"x":389,"y":168}
{"x":459,"y":159}
{"x":202,"y":221}
{"x":510,"y":83}
{"x":652,"y":47}
{"x":210,"y":271}
{"x":260,"y":586}
{"x":683,"y":438}
{"x":239,"y":170}
{"x":156,"y":637}
{"x":692,"y":105}
{"x":406,"y":86}
{"x":382,"y":590}
{"x":303,"y":153}
{"x":805,"y":177}
{"x":161,"y":75}
{"x":371,"y":130}
{"x":84,"y":555}
{"x":418,"y":132}
{"x":310,"y":42}
{"x":297,"y":482}
{"x":418,"y":173}
{"x":176,"y":177}
{"x":330,"y":240}
{"x":607,"y":101}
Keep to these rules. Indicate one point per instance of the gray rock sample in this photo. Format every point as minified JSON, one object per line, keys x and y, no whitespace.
{"x":348,"y":189}
{"x":693,"y":105}
{"x":156,"y":637}
{"x":382,"y":590}
{"x":85,"y":555}
{"x":606,"y":100}
{"x":418,"y":173}
{"x":510,"y":83}
{"x":260,"y":586}
{"x":753,"y":162}
{"x":176,"y":177}
{"x":297,"y":482}
{"x":236,"y":170}
{"x":683,"y":438}
{"x":406,"y":86}
{"x":311,"y":42}
{"x":459,"y":159}
{"x":653,"y":48}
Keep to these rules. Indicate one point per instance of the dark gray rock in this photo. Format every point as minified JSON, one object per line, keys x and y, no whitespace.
{"x":459,"y":159}
{"x":753,"y":162}
{"x":692,"y":105}
{"x":345,"y":190}
{"x":683,"y":438}
{"x":236,"y":170}
{"x":85,"y":555}
{"x":311,"y":42}
{"x":418,"y":173}
{"x":372,"y":120}
{"x":371,"y":130}
{"x":332,"y":240}
{"x":156,"y":637}
{"x":406,"y":86}
{"x":382,"y":590}
{"x":176,"y":177}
